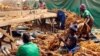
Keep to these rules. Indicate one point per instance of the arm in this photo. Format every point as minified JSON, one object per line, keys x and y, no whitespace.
{"x":87,"y":18}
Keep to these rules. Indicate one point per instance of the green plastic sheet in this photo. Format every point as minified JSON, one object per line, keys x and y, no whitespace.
{"x":73,"y":5}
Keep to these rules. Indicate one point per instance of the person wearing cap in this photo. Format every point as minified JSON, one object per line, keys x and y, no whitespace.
{"x":87,"y":15}
{"x":70,"y":43}
{"x":73,"y":28}
{"x":28,"y":48}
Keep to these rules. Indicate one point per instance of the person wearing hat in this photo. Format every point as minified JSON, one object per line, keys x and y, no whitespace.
{"x":28,"y":48}
{"x":86,"y":15}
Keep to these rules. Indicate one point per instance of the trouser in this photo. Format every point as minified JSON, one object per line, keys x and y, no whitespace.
{"x":90,"y":23}
{"x":62,"y":24}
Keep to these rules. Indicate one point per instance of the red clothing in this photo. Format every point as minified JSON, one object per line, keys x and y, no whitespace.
{"x":42,"y":6}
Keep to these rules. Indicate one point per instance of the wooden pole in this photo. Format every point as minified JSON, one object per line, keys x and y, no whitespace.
{"x":9,"y":35}
{"x":6,"y":34}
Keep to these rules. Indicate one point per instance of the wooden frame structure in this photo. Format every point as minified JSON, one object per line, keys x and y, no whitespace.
{"x":28,"y":17}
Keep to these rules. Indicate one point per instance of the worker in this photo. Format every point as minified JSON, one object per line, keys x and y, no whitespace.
{"x":70,"y":43}
{"x":61,"y":19}
{"x":42,"y":5}
{"x":28,"y":48}
{"x":73,"y":28}
{"x":87,"y":15}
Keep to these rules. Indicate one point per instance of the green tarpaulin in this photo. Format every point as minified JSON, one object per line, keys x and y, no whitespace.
{"x":92,"y":5}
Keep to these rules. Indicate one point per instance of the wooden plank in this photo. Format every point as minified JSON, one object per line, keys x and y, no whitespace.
{"x":29,"y":17}
{"x":6,"y":34}
{"x":21,"y":12}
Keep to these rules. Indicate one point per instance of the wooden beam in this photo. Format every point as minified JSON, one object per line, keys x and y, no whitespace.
{"x":26,"y":18}
{"x":6,"y":34}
